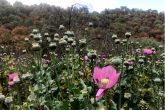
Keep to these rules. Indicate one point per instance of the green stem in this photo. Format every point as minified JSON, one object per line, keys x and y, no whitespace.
{"x":122,"y":70}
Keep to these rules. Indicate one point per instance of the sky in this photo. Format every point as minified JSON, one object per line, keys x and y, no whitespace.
{"x":100,"y":5}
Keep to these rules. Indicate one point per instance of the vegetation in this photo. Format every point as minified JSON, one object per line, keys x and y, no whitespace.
{"x":73,"y":59}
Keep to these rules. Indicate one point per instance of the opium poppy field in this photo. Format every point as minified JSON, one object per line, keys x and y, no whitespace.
{"x":64,"y":73}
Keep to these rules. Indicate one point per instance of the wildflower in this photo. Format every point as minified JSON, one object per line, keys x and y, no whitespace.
{"x":8,"y":100}
{"x":105,"y":78}
{"x":147,"y":51}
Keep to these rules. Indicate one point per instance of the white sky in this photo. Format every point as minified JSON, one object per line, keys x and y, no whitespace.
{"x":99,"y":5}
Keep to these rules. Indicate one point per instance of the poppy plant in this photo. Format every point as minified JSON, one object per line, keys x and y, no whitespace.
{"x":147,"y":51}
{"x":11,"y":78}
{"x":105,"y":78}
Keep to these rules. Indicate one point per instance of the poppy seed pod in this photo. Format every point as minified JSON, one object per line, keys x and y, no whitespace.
{"x":70,"y":40}
{"x":92,"y":54}
{"x":124,"y":40}
{"x":69,"y":33}
{"x":56,"y":39}
{"x":117,"y":41}
{"x":128,"y":34}
{"x":90,"y":24}
{"x":114,"y":36}
{"x":61,"y":27}
{"x":56,"y":35}
{"x":65,"y":37}
{"x":31,"y":35}
{"x":82,"y":42}
{"x":46,"y":34}
{"x":52,"y":45}
{"x":73,"y":44}
{"x":160,"y":46}
{"x":37,"y":37}
{"x":36,"y":46}
{"x":35,"y":31}
{"x":48,"y":39}
{"x":62,"y":41}
{"x":141,"y":61}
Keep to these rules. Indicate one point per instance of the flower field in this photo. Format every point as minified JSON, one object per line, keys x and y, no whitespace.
{"x":64,"y":73}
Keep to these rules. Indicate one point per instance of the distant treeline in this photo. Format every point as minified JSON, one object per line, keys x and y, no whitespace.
{"x":17,"y":21}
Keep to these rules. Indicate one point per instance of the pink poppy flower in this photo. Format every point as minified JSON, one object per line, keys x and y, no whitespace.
{"x":147,"y":51}
{"x":105,"y":78}
{"x":11,"y":78}
{"x":130,"y":62}
{"x":86,"y":58}
{"x":11,"y":83}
